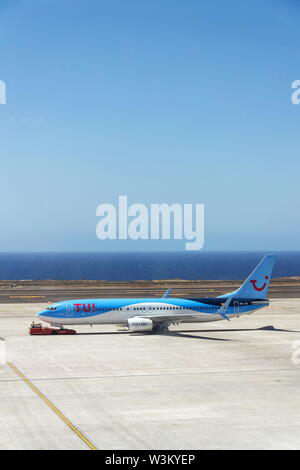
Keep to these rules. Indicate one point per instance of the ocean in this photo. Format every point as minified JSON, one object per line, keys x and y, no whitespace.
{"x":135,"y":266}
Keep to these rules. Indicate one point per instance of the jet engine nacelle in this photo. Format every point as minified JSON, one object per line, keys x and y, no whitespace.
{"x":139,"y":324}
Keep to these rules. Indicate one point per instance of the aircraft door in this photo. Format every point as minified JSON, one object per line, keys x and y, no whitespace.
{"x":69,"y":310}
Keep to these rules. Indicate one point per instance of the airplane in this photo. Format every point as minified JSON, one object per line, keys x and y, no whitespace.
{"x":157,"y":314}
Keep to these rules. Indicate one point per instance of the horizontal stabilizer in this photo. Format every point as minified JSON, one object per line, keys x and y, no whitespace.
{"x":222,"y":311}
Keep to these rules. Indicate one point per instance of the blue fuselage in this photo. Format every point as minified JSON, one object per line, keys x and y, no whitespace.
{"x":117,"y":311}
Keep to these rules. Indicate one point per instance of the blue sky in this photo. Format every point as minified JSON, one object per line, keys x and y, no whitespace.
{"x":173,"y":101}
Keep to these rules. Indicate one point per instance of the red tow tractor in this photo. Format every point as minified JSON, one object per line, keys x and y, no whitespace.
{"x":37,"y":329}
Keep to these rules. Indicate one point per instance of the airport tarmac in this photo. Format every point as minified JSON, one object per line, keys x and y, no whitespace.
{"x":203,"y":386}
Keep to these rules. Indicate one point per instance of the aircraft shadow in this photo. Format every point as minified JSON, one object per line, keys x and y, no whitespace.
{"x":104,"y":333}
{"x":263,"y":328}
{"x":150,"y":333}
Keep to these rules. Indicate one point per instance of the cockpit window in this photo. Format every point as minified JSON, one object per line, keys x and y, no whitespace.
{"x":51,"y":308}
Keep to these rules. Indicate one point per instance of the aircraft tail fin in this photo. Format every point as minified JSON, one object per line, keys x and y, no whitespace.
{"x":257,"y":284}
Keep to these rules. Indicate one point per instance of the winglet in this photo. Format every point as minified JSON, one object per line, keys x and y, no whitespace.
{"x":166,"y":294}
{"x":222,"y":311}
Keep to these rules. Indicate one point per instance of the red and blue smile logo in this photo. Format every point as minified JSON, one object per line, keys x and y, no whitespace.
{"x":259,"y":289}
